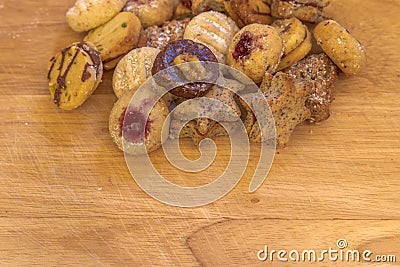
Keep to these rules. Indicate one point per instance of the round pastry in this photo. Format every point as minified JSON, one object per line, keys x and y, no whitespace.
{"x":344,"y":50}
{"x":116,"y":37}
{"x":154,"y":12}
{"x":256,"y":49}
{"x":299,"y":53}
{"x":252,"y":11}
{"x":214,"y":30}
{"x":129,"y":128}
{"x":89,"y":14}
{"x":133,"y":70}
{"x":292,"y":31}
{"x":184,"y":51}
{"x":74,"y":74}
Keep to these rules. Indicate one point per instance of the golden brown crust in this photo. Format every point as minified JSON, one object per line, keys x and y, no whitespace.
{"x":116,"y":37}
{"x":347,"y":53}
{"x":256,"y":49}
{"x":74,"y":74}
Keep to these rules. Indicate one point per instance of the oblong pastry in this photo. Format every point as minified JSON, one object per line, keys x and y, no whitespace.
{"x":344,"y":50}
{"x":154,"y":12}
{"x":256,"y":49}
{"x":116,"y":37}
{"x":129,"y":128}
{"x":213,"y":29}
{"x":89,"y":14}
{"x":292,"y":31}
{"x":133,"y":70}
{"x":297,"y":54}
{"x":74,"y":74}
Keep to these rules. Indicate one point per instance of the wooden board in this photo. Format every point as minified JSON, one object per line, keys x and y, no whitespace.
{"x":67,"y":198}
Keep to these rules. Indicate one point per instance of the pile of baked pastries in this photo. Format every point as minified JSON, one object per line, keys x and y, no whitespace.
{"x":289,"y":48}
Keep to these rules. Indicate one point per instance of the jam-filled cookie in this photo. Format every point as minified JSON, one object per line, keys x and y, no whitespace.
{"x":154,"y":12}
{"x":256,"y":49}
{"x":176,"y":54}
{"x":116,"y":37}
{"x":347,"y":53}
{"x":213,"y":29}
{"x":131,"y":131}
{"x":89,"y":14}
{"x":74,"y":74}
{"x":133,"y":70}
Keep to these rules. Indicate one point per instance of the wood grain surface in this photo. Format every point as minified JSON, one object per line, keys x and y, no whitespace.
{"x":67,"y":198}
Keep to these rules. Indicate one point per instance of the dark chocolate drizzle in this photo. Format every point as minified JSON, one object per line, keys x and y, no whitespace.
{"x":61,"y":84}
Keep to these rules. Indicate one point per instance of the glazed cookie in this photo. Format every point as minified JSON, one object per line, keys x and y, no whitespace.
{"x":89,"y":14}
{"x":287,"y":103}
{"x":305,"y":10}
{"x":347,"y":53}
{"x":252,"y":11}
{"x":160,"y":36}
{"x":74,"y":74}
{"x":184,"y":79}
{"x":319,"y":73}
{"x":116,"y":37}
{"x":133,"y":70}
{"x":256,"y":49}
{"x":292,"y":31}
{"x":214,"y":30}
{"x":299,"y":53}
{"x":129,"y":128}
{"x":154,"y":12}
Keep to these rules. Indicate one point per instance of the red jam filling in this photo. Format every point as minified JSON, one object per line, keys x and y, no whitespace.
{"x":243,"y":47}
{"x":134,"y":126}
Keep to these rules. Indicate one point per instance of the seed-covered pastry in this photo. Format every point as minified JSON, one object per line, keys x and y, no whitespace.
{"x":305,"y":10}
{"x":252,"y":11}
{"x":287,"y":104}
{"x":89,"y":14}
{"x":160,"y":36}
{"x":116,"y":37}
{"x":74,"y":74}
{"x":129,"y":128}
{"x":347,"y":53}
{"x":154,"y":12}
{"x":213,"y":29}
{"x":256,"y":49}
{"x":297,"y":54}
{"x":319,"y":73}
{"x":176,"y":54}
{"x":133,"y":70}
